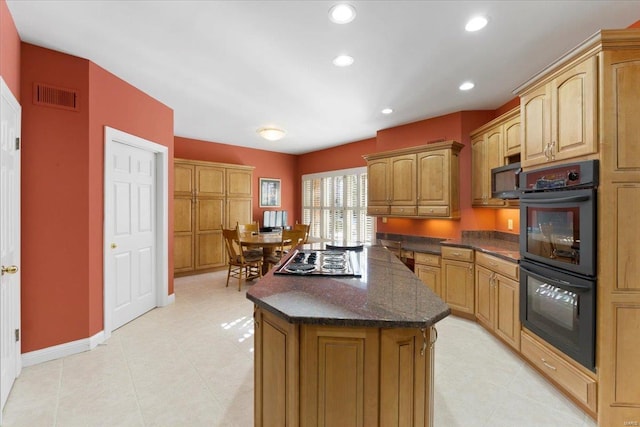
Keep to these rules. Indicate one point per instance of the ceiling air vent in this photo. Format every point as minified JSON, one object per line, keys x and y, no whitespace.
{"x":56,"y":97}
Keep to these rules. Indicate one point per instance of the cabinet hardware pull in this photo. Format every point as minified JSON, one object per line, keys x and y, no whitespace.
{"x":424,"y":341}
{"x":456,"y":254}
{"x":435,"y":338}
{"x":493,"y":264}
{"x":548,"y":365}
{"x":471,"y":268}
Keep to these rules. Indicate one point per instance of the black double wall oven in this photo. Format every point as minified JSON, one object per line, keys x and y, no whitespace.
{"x":558,"y":240}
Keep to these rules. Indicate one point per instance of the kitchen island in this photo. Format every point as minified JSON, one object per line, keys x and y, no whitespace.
{"x":345,"y":351}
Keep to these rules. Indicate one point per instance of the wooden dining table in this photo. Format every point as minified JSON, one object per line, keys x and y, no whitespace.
{"x":267,"y":241}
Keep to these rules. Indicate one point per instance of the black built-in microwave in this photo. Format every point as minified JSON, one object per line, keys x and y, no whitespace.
{"x":505,"y":181}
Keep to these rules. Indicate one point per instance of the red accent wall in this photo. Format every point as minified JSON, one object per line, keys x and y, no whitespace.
{"x":9,"y":50}
{"x":635,"y":25}
{"x":62,"y":192}
{"x":267,"y":164}
{"x":508,"y":106}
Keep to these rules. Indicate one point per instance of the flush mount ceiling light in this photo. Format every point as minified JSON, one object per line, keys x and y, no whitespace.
{"x":387,"y":111}
{"x":343,"y":61}
{"x":271,"y":134}
{"x":342,"y":13}
{"x":466,"y":86}
{"x":476,"y":23}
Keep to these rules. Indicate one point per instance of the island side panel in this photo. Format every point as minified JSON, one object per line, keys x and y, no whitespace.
{"x":276,"y":371}
{"x":406,"y":378}
{"x":339,"y":376}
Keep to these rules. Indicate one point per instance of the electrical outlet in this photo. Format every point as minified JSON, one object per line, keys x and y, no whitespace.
{"x":384,"y":219}
{"x":510,"y":224}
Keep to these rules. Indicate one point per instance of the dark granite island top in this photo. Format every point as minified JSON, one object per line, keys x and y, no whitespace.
{"x":388,"y":295}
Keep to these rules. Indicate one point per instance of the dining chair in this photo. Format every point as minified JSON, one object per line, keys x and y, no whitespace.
{"x":240,"y":264}
{"x":290,"y":239}
{"x":252,"y":227}
{"x":305,"y":228}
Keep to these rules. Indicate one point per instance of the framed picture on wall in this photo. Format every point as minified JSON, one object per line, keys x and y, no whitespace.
{"x":269,"y":193}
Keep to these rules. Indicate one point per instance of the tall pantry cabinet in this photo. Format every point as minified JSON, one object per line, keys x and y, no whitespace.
{"x":593,"y":96}
{"x":207,"y":195}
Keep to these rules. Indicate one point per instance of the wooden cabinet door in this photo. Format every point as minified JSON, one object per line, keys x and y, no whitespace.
{"x":511,"y":137}
{"x":183,"y":240}
{"x":209,"y":244}
{"x":478,"y":171}
{"x":403,"y":180}
{"x":485,"y":298}
{"x":535,"y":114}
{"x":430,"y":276}
{"x":184,"y":180}
{"x":458,"y":285}
{"x":183,"y":224}
{"x":433,"y":178}
{"x":209,"y":181}
{"x":494,"y":158}
{"x":574,"y":112}
{"x":339,"y":378}
{"x":276,"y":371}
{"x":239,"y":211}
{"x":239,"y":183}
{"x":406,"y":360}
{"x":507,"y":318}
{"x":378,"y":177}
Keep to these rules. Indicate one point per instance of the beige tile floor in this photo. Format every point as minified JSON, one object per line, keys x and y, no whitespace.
{"x":191,"y":364}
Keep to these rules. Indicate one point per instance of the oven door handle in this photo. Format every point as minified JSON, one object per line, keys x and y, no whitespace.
{"x":557,"y":200}
{"x":557,"y":281}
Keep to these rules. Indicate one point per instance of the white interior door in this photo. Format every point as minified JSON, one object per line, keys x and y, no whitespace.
{"x":136,"y":227}
{"x":9,"y":241}
{"x":132,"y":243}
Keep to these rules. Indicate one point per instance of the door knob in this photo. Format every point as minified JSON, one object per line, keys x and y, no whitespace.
{"x":113,"y":246}
{"x":12,"y":269}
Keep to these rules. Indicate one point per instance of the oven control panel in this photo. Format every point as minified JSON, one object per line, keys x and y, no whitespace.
{"x":570,"y":175}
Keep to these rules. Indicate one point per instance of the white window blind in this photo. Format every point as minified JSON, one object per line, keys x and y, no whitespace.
{"x":335,"y":204}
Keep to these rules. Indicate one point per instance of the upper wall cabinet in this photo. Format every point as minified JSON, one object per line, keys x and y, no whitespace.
{"x":492,"y":146}
{"x":418,"y":181}
{"x":559,"y":114}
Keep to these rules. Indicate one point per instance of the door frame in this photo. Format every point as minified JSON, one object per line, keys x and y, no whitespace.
{"x":114,"y":136}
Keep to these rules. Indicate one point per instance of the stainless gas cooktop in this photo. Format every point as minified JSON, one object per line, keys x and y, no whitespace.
{"x":322,"y":263}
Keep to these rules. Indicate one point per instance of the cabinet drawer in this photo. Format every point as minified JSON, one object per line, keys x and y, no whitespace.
{"x":433,"y":210}
{"x":404,"y":210}
{"x":504,"y":267}
{"x":427,"y":259}
{"x":462,"y":254}
{"x":579,"y":385}
{"x":377,"y":210}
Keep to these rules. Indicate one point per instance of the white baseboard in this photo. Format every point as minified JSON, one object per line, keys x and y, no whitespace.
{"x":171,"y":299}
{"x":62,"y":350}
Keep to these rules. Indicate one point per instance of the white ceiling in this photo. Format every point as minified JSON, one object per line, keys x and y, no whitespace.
{"x":229,"y":67}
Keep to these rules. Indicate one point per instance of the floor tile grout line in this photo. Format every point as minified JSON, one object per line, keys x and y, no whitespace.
{"x":133,"y":383}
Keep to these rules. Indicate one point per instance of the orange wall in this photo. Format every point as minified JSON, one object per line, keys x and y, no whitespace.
{"x":9,"y":51}
{"x":635,"y":25}
{"x":267,"y":164}
{"x":117,"y":104}
{"x":345,"y":156}
{"x":62,"y":192}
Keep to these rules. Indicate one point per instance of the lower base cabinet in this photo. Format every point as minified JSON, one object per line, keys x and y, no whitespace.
{"x":497,"y":297}
{"x":575,"y":381}
{"x":458,"y":289}
{"x":427,"y":268}
{"x":311,"y":375}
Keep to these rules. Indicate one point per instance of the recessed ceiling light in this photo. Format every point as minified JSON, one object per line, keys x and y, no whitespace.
{"x":466,"y":86}
{"x":343,"y":61}
{"x":476,"y":23}
{"x":342,"y":13}
{"x":271,"y":133}
{"x":387,"y":111}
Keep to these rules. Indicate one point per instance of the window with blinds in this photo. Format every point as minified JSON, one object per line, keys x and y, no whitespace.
{"x":335,"y":204}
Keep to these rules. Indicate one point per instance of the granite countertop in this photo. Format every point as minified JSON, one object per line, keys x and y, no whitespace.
{"x":502,"y":245}
{"x":387,"y":295}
